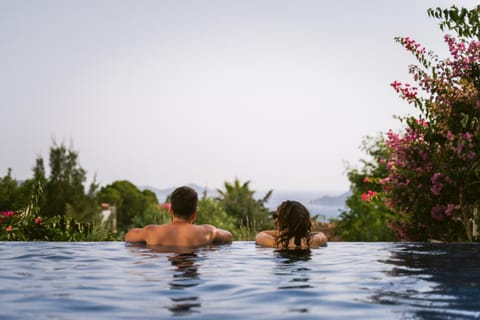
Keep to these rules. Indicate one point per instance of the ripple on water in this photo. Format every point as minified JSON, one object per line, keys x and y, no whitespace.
{"x":238,"y":281}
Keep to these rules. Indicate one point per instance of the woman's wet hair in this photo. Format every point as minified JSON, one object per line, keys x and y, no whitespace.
{"x":293,"y":221}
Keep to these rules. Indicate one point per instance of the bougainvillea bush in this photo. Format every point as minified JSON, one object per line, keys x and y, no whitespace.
{"x":433,"y":182}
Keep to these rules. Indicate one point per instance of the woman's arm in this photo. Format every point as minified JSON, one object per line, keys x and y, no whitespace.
{"x":318,"y":239}
{"x":266,"y":238}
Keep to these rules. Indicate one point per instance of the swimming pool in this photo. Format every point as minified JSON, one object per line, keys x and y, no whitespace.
{"x":109,"y":280}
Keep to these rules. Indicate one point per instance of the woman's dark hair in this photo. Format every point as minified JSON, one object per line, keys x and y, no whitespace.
{"x":293,"y":221}
{"x":184,"y":202}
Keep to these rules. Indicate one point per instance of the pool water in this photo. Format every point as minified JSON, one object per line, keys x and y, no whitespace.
{"x":111,"y":280}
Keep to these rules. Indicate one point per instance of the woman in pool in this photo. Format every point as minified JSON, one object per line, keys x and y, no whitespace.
{"x":293,"y":224}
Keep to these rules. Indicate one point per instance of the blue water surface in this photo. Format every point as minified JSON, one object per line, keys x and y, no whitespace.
{"x":111,"y":280}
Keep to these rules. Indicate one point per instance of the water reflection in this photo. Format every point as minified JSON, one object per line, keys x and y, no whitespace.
{"x":291,"y":256}
{"x":294,"y":277}
{"x":434,"y":280}
{"x":185,"y":276}
{"x":186,"y":270}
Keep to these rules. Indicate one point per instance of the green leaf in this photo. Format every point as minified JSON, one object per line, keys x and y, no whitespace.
{"x":464,"y":120}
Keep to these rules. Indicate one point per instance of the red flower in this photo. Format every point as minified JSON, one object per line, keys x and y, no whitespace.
{"x":166,"y":206}
{"x":7,"y":214}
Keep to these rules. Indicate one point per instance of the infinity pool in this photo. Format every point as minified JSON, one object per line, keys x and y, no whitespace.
{"x":109,"y":280}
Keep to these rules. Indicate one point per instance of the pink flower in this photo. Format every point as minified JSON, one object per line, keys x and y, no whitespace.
{"x":437,"y":212}
{"x":7,"y":214}
{"x":422,"y":122}
{"x":449,"y":135}
{"x":38,"y":220}
{"x":459,"y":148}
{"x":396,"y":85}
{"x":385,"y":180}
{"x":166,"y":205}
{"x":450,"y":208}
{"x":369,"y":195}
{"x":366,"y":180}
{"x":9,"y":228}
{"x":435,"y":177}
{"x":437,"y":189}
{"x":365,"y":197}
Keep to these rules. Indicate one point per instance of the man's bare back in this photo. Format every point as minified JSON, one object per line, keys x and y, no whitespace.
{"x":179,"y":234}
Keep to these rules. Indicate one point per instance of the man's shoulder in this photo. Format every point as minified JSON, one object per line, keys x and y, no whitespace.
{"x":152,"y":227}
{"x":206,"y":228}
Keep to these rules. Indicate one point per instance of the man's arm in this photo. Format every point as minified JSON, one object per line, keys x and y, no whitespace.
{"x":221,"y":236}
{"x":266,"y":238}
{"x":136,"y":235}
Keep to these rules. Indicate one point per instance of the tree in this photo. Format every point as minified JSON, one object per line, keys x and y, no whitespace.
{"x":238,"y":201}
{"x":9,"y":192}
{"x":434,"y":165}
{"x":65,"y":183}
{"x":153,"y":214}
{"x":129,"y":201}
{"x":367,"y":217}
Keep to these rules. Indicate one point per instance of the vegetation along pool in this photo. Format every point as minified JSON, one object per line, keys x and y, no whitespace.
{"x":111,"y":280}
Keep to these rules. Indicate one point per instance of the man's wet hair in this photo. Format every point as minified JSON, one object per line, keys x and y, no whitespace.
{"x":184,"y":202}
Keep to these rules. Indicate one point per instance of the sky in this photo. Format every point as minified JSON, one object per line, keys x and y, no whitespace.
{"x":165,"y":93}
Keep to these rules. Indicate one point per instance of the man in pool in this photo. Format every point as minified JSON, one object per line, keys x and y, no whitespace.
{"x":181,"y":232}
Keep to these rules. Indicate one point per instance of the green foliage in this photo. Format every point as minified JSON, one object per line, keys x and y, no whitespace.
{"x":153,"y":214}
{"x":461,"y":20}
{"x":65,"y":184}
{"x":129,"y":201}
{"x":210,"y":211}
{"x":366,"y":220}
{"x":27,"y":227}
{"x":238,"y":201}
{"x":10,"y":193}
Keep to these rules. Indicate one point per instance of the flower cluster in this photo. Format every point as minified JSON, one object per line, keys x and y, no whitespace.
{"x":406,"y":91}
{"x":5,"y":219}
{"x":368,"y":196}
{"x":25,"y":226}
{"x":412,"y":45}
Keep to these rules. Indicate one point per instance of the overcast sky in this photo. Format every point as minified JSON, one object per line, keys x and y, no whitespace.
{"x":164,"y":93}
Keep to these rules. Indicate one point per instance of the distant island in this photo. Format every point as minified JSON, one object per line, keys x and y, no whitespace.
{"x":328,"y":200}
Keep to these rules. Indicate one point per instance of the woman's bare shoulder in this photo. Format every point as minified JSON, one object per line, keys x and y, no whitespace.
{"x":318,"y":239}
{"x":266,"y":238}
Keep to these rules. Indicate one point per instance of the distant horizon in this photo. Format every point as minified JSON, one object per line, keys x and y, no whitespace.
{"x":305,"y":197}
{"x":322,"y":192}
